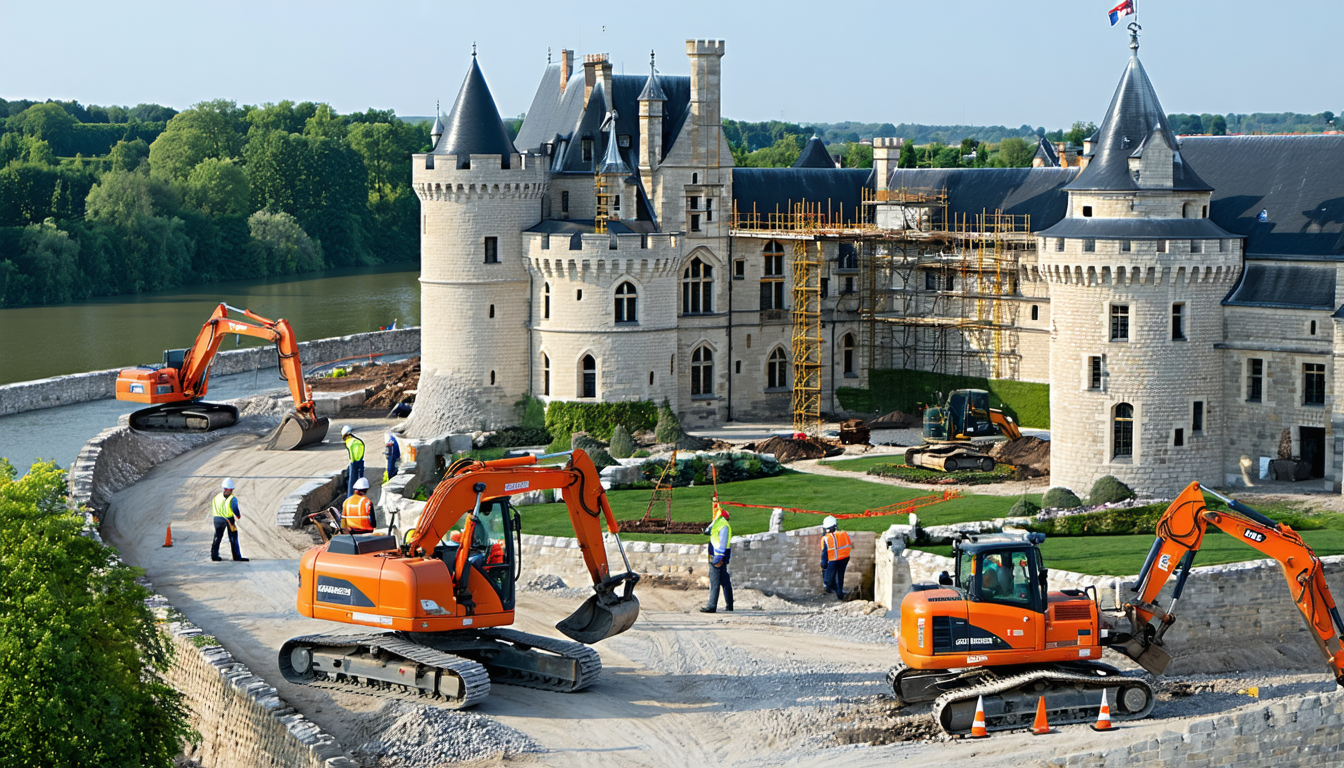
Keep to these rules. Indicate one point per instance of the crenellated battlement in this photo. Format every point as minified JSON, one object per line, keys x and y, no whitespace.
{"x":592,"y":246}
{"x":1130,"y":275}
{"x":437,"y":177}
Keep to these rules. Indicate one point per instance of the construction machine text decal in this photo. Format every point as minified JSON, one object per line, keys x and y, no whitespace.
{"x":517,"y":486}
{"x":1164,"y":563}
{"x":956,"y":635}
{"x":341,"y":592}
{"x":1255,"y":536}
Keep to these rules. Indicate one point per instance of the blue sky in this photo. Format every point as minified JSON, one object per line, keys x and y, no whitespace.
{"x":1040,"y":62}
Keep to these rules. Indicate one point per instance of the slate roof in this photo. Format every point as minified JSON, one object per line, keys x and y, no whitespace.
{"x":1284,"y":286}
{"x":553,"y":116}
{"x":814,"y":155}
{"x":775,"y":190}
{"x":1045,"y":150}
{"x":1138,"y":229}
{"x":474,"y":127}
{"x":1036,"y":192}
{"x":1132,"y":121}
{"x":1297,"y":180}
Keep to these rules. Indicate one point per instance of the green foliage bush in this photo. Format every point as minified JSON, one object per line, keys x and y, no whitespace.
{"x":1002,"y":473}
{"x":1060,"y":498}
{"x":559,"y":444}
{"x":640,"y":454}
{"x":1109,"y":490}
{"x":596,"y":450}
{"x":598,"y":419}
{"x":668,"y":428}
{"x":1023,"y":508}
{"x":531,"y":412}
{"x":622,"y":445}
{"x":1106,"y":522}
{"x":902,"y":390}
{"x":512,"y":437}
{"x":731,"y":467}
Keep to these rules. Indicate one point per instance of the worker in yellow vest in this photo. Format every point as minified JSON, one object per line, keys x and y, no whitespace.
{"x":226,"y":514}
{"x":720,"y":552}
{"x":835,"y":549}
{"x":355,"y":448}
{"x":357,"y":512}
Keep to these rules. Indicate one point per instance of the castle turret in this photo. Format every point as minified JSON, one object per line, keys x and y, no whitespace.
{"x":477,"y":196}
{"x":1137,"y":273}
{"x":651,"y":101}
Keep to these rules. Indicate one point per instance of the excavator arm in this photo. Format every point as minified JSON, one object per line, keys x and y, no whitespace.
{"x":1005,"y":424}
{"x":1180,"y":533}
{"x":470,"y":481}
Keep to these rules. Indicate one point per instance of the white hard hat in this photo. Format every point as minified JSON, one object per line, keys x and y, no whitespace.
{"x":362,"y":484}
{"x":346,"y":430}
{"x":829,"y":522}
{"x":228,"y":483}
{"x":389,"y":437}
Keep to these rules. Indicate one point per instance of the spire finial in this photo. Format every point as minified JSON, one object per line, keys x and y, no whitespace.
{"x":473,"y":50}
{"x":652,"y":68}
{"x":1134,"y":29}
{"x":548,"y":54}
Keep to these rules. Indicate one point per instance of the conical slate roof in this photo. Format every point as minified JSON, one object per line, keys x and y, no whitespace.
{"x":474,"y":127}
{"x":612,"y":161}
{"x":652,"y":90}
{"x":1134,"y":119}
{"x":814,"y":155}
{"x":437,"y":130}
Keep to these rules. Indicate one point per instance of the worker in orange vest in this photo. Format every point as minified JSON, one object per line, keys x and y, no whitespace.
{"x":835,"y":549}
{"x":357,"y":512}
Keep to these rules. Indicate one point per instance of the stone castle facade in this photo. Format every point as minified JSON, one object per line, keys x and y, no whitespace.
{"x":1178,"y":295}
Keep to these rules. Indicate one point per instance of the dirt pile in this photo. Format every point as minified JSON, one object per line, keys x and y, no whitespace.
{"x":787,"y":449}
{"x":429,"y":736}
{"x":1031,"y":454}
{"x":388,"y":384}
{"x":896,"y":420}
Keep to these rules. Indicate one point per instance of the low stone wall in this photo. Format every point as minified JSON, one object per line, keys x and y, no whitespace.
{"x":242,"y":720}
{"x":786,"y":564}
{"x":1292,"y":733}
{"x":99,"y":385}
{"x":313,"y":496}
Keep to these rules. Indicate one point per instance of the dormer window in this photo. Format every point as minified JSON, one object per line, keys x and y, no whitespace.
{"x":1124,"y":142}
{"x":623,"y":141}
{"x":1087,"y":211}
{"x":587,"y":150}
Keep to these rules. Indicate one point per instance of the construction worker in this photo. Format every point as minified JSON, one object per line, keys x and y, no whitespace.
{"x":720,"y":552}
{"x":355,"y":447}
{"x":224,"y":509}
{"x":393,"y":453}
{"x":357,"y":512}
{"x":835,"y":549}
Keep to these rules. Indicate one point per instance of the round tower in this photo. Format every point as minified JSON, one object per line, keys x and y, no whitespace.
{"x":1137,"y":273}
{"x":477,"y":196}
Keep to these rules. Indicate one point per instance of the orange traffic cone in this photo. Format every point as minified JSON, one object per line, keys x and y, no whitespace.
{"x":1042,"y":725}
{"x":978,"y":730}
{"x":168,"y":538}
{"x":1103,"y":717}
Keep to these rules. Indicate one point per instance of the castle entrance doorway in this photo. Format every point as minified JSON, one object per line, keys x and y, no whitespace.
{"x":1313,"y":448}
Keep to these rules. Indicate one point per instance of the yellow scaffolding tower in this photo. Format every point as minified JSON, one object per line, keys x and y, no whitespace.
{"x":601,"y":214}
{"x":806,"y":337}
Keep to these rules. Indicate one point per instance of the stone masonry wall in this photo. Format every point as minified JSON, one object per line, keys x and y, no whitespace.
{"x":98,"y":385}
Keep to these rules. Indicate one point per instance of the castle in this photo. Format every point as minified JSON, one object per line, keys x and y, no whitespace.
{"x":1178,"y":296}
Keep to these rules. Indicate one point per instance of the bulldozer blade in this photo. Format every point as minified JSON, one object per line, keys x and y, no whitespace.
{"x":296,"y":432}
{"x":597,"y":620}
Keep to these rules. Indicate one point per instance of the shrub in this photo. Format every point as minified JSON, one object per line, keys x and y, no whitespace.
{"x":560,"y":444}
{"x":622,"y":445}
{"x":596,"y":449}
{"x":1024,"y":508}
{"x":511,"y":437}
{"x":1061,"y":498}
{"x":640,"y":454}
{"x":599,"y":419}
{"x":1001,"y":473}
{"x":1106,"y":522}
{"x":531,"y":413}
{"x":668,"y":429}
{"x":1109,"y":490}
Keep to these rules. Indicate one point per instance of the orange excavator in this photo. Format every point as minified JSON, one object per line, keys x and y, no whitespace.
{"x":995,"y":631}
{"x":176,"y":389}
{"x":444,"y":598}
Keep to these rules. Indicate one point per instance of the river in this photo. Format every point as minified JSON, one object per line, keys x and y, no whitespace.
{"x":39,"y":342}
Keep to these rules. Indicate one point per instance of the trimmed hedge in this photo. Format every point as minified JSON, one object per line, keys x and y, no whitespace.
{"x":731,"y":468}
{"x":901,"y":390}
{"x":668,"y":427}
{"x":621,"y":443}
{"x":512,"y":437}
{"x":598,"y":419}
{"x":1001,"y":474}
{"x":1024,"y":508}
{"x":1106,"y":522}
{"x":1061,"y":498}
{"x":1109,"y":490}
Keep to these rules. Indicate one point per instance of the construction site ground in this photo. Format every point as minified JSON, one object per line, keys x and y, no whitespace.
{"x":774,"y":682}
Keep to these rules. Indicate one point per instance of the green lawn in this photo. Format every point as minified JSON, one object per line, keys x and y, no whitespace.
{"x":789,"y":489}
{"x":1123,"y":555}
{"x":863,"y":464}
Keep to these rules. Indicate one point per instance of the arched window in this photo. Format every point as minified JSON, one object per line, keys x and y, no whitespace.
{"x":588,"y":377}
{"x":702,"y":372}
{"x":777,"y":370}
{"x":546,"y":302}
{"x":697,"y":288}
{"x":1123,"y":430}
{"x":847,"y":353}
{"x":625,"y":303}
{"x":772,"y":276}
{"x":545,"y":374}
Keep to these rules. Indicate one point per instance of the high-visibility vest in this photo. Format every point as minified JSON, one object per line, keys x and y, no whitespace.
{"x":837,"y":546}
{"x":496,"y":555}
{"x":355,"y":446}
{"x":222,"y":506}
{"x":357,"y":513}
{"x":714,"y":535}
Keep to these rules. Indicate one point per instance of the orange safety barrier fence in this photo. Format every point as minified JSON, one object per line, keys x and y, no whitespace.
{"x":899,"y":508}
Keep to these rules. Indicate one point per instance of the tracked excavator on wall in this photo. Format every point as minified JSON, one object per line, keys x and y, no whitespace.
{"x":951,"y":429}
{"x":175,"y":390}
{"x":995,"y":631}
{"x":442,"y":601}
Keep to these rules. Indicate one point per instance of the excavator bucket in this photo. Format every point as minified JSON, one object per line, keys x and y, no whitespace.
{"x":605,"y":614}
{"x":296,"y":432}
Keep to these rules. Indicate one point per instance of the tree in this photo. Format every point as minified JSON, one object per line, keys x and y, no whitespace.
{"x":48,"y":122}
{"x":325,"y":123}
{"x":208,"y":129}
{"x":128,"y":155}
{"x":51,"y":259}
{"x":81,"y":659}
{"x":1015,"y":152}
{"x":782,"y":154}
{"x":622,"y":445}
{"x":1079,"y":133}
{"x":857,"y":156}
{"x":279,"y":246}
{"x":386,"y":149}
{"x":218,"y":187}
{"x":907,"y":157}
{"x":1218,"y":126}
{"x":175,"y":152}
{"x":124,"y":196}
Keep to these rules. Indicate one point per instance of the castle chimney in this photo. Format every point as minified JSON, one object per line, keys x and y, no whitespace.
{"x":566,"y":67}
{"x":886,"y":155}
{"x":590,"y":71}
{"x":604,"y":77}
{"x":706,"y":66}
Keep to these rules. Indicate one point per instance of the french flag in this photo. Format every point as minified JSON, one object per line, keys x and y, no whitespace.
{"x":1123,"y":9}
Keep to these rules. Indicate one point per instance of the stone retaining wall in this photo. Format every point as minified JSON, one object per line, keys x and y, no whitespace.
{"x":1291,"y":733}
{"x":99,"y":385}
{"x":313,"y":496}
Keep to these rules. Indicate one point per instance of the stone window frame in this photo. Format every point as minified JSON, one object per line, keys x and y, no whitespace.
{"x":1112,"y":324}
{"x":1308,"y":390}
{"x":1094,"y":372}
{"x":1114,"y":431}
{"x":625,"y":305}
{"x":581,"y":381}
{"x":1035,"y":311}
{"x":1199,"y":416}
{"x":701,"y":370}
{"x":1181,"y":319}
{"x":546,"y":300}
{"x":777,"y":370}
{"x":847,"y":350}
{"x":491,"y":248}
{"x":1249,"y":377}
{"x":701,"y":287}
{"x":772,"y":276}
{"x":545,"y":374}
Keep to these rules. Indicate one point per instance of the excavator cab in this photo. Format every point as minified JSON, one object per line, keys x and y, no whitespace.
{"x":495,"y":548}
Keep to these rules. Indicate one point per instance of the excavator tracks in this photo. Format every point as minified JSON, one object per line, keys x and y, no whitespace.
{"x":1072,"y":695}
{"x":451,"y":669}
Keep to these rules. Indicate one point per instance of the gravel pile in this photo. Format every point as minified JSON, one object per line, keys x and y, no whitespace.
{"x":429,"y":736}
{"x":856,"y":621}
{"x":552,"y":585}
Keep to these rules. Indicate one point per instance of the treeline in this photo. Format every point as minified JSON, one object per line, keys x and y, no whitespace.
{"x":1012,"y":152}
{"x":216,"y":192}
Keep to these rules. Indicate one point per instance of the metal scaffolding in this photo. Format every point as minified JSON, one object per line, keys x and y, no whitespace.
{"x":807,"y":384}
